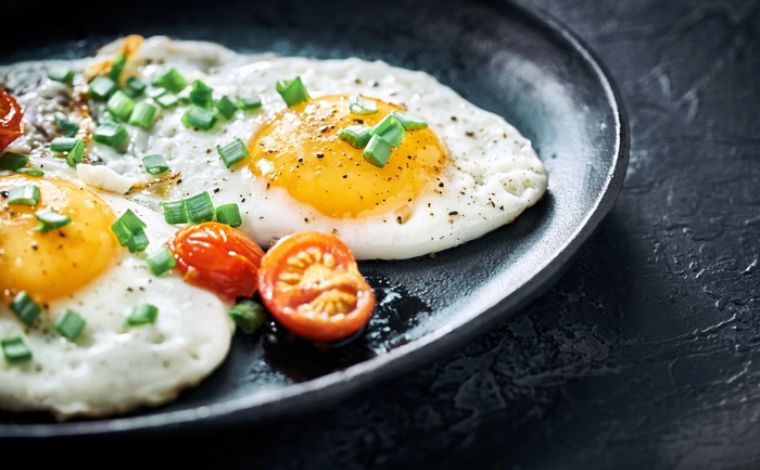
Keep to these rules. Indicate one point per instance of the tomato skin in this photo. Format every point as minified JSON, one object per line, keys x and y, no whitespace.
{"x":10,"y":119}
{"x":217,"y":257}
{"x":305,"y":275}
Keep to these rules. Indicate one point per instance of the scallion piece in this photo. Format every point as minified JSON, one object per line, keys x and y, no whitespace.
{"x":358,"y":105}
{"x":377,"y":151}
{"x":61,"y":74}
{"x":410,"y":123}
{"x":129,"y":232}
{"x":144,"y":115}
{"x":292,"y":91}
{"x":102,"y":88}
{"x":63,"y":144}
{"x":199,"y":118}
{"x":26,"y":195}
{"x":25,"y":308}
{"x":50,"y":219}
{"x":155,"y":92}
{"x":248,"y":104}
{"x":142,"y":315}
{"x":161,"y":261}
{"x":357,"y":136}
{"x":390,"y":129}
{"x":200,"y":208}
{"x":15,"y":350}
{"x":112,"y":134}
{"x":171,"y":80}
{"x":201,"y":94}
{"x":226,"y":107}
{"x":166,"y":100}
{"x":30,"y":171}
{"x":120,"y":105}
{"x":70,"y":325}
{"x":13,"y":161}
{"x":117,"y":66}
{"x":74,"y":157}
{"x":155,"y":164}
{"x":134,"y":87}
{"x":174,"y":212}
{"x":233,"y":152}
{"x":229,"y":214}
{"x":248,"y":315}
{"x":68,"y":128}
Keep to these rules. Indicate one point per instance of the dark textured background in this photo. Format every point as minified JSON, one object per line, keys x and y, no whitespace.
{"x":646,"y":353}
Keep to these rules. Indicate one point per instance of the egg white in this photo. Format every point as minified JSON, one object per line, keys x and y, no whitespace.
{"x":112,"y":368}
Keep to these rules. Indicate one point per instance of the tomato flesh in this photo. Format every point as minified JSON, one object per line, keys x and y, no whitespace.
{"x":311,"y":284}
{"x":10,"y":119}
{"x":217,"y":257}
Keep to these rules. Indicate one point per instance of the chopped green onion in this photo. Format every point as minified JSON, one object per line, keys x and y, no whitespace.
{"x":199,"y":118}
{"x":61,"y":74}
{"x":13,"y":161}
{"x":120,"y":105}
{"x":166,"y":100}
{"x":50,"y":219}
{"x":292,"y":91}
{"x":156,"y":92}
{"x":144,"y":115}
{"x":70,"y":325}
{"x":248,"y":104}
{"x":26,"y":195}
{"x":155,"y":164}
{"x":134,"y":87}
{"x":229,"y":214}
{"x":25,"y":308}
{"x":129,"y":232}
{"x":102,"y":88}
{"x":201,"y":94}
{"x":358,"y":105}
{"x":174,"y":212}
{"x":248,"y":315}
{"x":63,"y":144}
{"x":15,"y":350}
{"x":377,"y":151}
{"x":161,"y":261}
{"x":117,"y":66}
{"x":233,"y":152}
{"x":112,"y":134}
{"x":67,"y":127}
{"x":74,"y":157}
{"x":226,"y":107}
{"x":410,"y":123}
{"x":30,"y":171}
{"x":200,"y":208}
{"x":142,"y":315}
{"x":171,"y":80}
{"x":390,"y":129}
{"x":357,"y":136}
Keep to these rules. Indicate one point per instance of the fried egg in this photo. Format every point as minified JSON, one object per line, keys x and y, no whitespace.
{"x":110,"y":367}
{"x":467,"y":173}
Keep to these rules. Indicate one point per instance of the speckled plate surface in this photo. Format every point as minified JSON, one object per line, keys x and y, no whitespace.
{"x":519,"y":64}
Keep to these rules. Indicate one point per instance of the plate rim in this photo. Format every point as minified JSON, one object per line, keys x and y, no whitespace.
{"x":318,"y":392}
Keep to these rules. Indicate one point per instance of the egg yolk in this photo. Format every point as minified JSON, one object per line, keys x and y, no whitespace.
{"x":58,"y":262}
{"x":300,"y":151}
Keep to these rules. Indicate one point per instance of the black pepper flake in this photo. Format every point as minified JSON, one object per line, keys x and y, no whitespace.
{"x":305,"y":219}
{"x":453,"y":213}
{"x":399,"y":220}
{"x":345,"y":176}
{"x":320,"y":155}
{"x":4,"y":194}
{"x":35,"y":246}
{"x":358,"y":121}
{"x":299,"y":159}
{"x":454,"y":118}
{"x":440,"y":185}
{"x":216,"y":190}
{"x":469,"y":134}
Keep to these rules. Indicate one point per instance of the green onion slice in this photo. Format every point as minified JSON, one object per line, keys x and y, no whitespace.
{"x":166,"y":100}
{"x":161,"y":260}
{"x":172,"y":80}
{"x":292,"y":91}
{"x":377,"y":151}
{"x":70,"y":325}
{"x":358,"y":105}
{"x":75,"y":155}
{"x":144,"y":115}
{"x":233,"y":152}
{"x":117,"y":66}
{"x":134,"y":87}
{"x":410,"y":123}
{"x":200,"y":208}
{"x":142,"y":315}
{"x":229,"y":214}
{"x":63,"y":144}
{"x":120,"y":105}
{"x":390,"y":129}
{"x":129,"y":231}
{"x":68,"y":128}
{"x":155,"y":164}
{"x":102,"y":88}
{"x":30,"y":171}
{"x":201,"y":94}
{"x":25,"y":308}
{"x":174,"y":212}
{"x":26,"y":195}
{"x":226,"y":107}
{"x":61,"y":74}
{"x":112,"y":134}
{"x":199,"y":118}
{"x":357,"y":136}
{"x":50,"y":219}
{"x":248,"y":104}
{"x":15,"y":350}
{"x":13,"y":161}
{"x":248,"y":315}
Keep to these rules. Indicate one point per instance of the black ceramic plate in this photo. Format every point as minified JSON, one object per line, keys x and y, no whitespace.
{"x":520,"y":65}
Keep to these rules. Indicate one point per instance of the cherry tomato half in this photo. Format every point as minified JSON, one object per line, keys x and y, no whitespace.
{"x":310,"y":283}
{"x":217,"y":257}
{"x":10,"y":119}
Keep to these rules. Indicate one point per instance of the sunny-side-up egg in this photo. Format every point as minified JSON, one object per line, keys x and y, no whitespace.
{"x":112,"y":363}
{"x":464,"y":174}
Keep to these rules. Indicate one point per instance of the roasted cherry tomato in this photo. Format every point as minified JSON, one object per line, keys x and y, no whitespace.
{"x":10,"y":119}
{"x":310,"y":283}
{"x":217,"y":257}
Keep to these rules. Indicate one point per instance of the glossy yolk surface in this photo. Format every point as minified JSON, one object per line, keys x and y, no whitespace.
{"x":300,"y":151}
{"x":59,"y":262}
